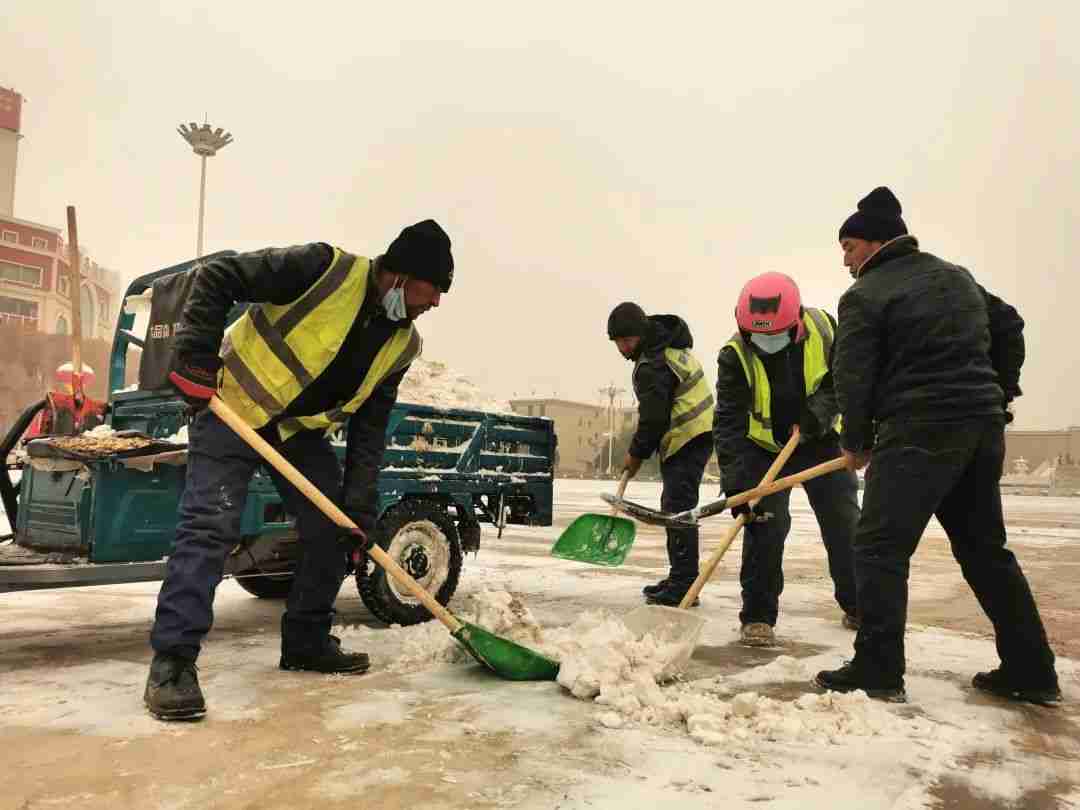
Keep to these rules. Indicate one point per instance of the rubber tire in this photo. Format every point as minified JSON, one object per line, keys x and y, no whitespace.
{"x":373,"y":582}
{"x":266,"y":587}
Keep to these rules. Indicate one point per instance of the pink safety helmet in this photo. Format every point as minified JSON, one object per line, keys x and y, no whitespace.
{"x":770,"y":303}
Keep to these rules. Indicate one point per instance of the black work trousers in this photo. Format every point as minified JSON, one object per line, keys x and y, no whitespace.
{"x":834,"y":499}
{"x":682,"y":473}
{"x":219,"y":469}
{"x":950,"y":470}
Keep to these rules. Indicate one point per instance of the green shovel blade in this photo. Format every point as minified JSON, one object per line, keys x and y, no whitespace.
{"x":596,"y":539}
{"x":505,"y":658}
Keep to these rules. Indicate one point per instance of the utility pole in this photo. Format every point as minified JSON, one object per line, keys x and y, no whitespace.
{"x":205,"y":142}
{"x":611,"y":392}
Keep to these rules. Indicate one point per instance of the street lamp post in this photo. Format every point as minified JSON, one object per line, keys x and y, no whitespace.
{"x":612,"y":392}
{"x":205,"y":142}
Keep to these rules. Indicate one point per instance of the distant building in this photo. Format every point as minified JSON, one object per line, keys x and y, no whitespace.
{"x":582,"y":430}
{"x":34,"y":282}
{"x":35,"y":288}
{"x":10,"y":121}
{"x":1039,"y":446}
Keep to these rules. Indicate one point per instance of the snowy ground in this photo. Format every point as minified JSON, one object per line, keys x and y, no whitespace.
{"x":419,"y":731}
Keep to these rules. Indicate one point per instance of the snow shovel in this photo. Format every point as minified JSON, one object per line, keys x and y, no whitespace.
{"x":677,"y":520}
{"x":598,"y":539}
{"x":677,"y":626}
{"x":505,"y":658}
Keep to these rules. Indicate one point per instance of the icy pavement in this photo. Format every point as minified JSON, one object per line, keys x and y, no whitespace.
{"x":428,"y":728}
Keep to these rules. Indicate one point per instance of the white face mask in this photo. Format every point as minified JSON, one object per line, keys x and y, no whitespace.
{"x":394,"y":303}
{"x":771,"y":344}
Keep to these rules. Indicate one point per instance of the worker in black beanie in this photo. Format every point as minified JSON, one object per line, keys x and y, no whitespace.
{"x":925,"y":364}
{"x":675,"y":404}
{"x":322,"y":348}
{"x":876,"y":222}
{"x":422,"y":251}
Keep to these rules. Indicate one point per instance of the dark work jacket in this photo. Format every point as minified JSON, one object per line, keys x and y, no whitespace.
{"x":655,"y":382}
{"x":280,"y":276}
{"x":920,"y":340}
{"x":742,"y":461}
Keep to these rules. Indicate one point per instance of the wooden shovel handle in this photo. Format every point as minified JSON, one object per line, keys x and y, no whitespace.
{"x":329,"y":508}
{"x":621,"y":490}
{"x":692,"y":516}
{"x":714,"y":560}
{"x":787,"y":482}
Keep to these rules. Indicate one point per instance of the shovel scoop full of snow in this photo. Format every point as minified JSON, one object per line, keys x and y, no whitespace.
{"x":676,"y":630}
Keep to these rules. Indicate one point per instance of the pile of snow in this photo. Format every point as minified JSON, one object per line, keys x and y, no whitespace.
{"x":431,"y":383}
{"x":603,"y":662}
{"x":424,"y":644}
{"x":102,"y":431}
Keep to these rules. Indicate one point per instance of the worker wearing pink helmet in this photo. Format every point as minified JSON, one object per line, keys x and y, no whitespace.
{"x":775,"y":374}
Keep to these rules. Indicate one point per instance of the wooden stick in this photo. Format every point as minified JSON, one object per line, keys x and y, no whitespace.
{"x":692,"y":516}
{"x":330,"y":509}
{"x":770,"y":476}
{"x":621,"y":490}
{"x":787,"y":482}
{"x":75,"y":289}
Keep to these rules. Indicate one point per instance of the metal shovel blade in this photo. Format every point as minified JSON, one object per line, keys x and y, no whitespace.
{"x":596,"y":539}
{"x":680,"y":629}
{"x":505,"y":658}
{"x":646,"y":514}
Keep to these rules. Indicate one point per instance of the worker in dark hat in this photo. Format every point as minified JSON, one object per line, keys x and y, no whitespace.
{"x":323,"y":346}
{"x":926,"y":363}
{"x":675,"y":405}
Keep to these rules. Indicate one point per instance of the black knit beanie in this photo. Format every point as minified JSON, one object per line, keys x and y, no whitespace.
{"x":878,"y":218}
{"x":627,"y":320}
{"x":422,"y":251}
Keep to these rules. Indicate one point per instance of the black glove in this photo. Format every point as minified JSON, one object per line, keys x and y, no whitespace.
{"x":356,"y":539}
{"x":195,"y":377}
{"x":744,"y":509}
{"x":810,"y":425}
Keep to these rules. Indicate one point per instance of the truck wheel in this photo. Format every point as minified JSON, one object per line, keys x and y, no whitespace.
{"x":421,"y":537}
{"x":266,"y":586}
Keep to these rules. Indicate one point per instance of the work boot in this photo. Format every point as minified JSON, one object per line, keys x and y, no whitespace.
{"x":671,"y":595}
{"x":309,"y":646}
{"x":757,"y":634}
{"x":172,"y":689}
{"x":651,"y":590}
{"x":851,"y":621}
{"x":330,"y":659}
{"x":850,"y":678}
{"x":996,"y":682}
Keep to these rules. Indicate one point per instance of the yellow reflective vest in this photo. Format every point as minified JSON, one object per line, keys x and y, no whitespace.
{"x":817,"y":345}
{"x":273,"y":352}
{"x":691,"y":412}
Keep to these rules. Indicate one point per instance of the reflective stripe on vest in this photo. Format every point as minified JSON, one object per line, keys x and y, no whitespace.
{"x":691,"y":411}
{"x":816,"y":348}
{"x":273,"y":352}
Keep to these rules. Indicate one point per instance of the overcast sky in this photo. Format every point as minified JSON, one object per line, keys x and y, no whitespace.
{"x":579,"y":154}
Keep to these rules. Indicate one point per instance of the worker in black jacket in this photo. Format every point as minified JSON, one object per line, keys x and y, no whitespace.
{"x":773,"y":375}
{"x":927,"y":362}
{"x":674,"y":419}
{"x":325,"y":344}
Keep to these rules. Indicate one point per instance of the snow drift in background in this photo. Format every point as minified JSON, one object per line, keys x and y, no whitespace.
{"x":432,"y":383}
